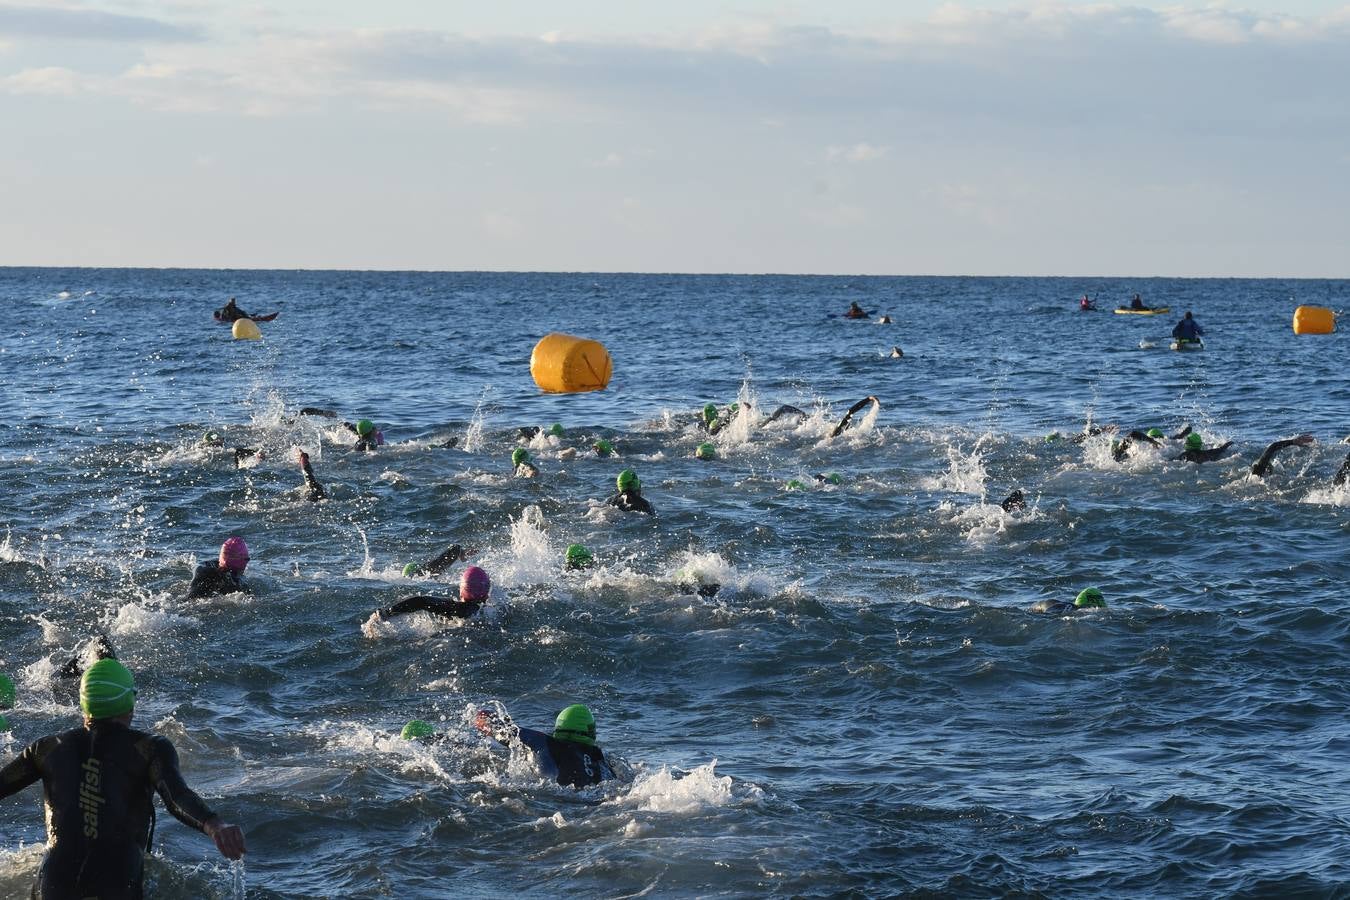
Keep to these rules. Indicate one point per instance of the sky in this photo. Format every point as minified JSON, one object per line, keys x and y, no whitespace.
{"x":853,"y":137}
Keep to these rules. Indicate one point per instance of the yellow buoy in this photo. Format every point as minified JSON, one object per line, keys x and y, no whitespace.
{"x":563,"y":364}
{"x":246,"y":330}
{"x":1314,"y":320}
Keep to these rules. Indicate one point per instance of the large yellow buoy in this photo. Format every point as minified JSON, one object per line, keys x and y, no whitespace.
{"x":246,"y":330}
{"x":563,"y":364}
{"x":1314,"y":320}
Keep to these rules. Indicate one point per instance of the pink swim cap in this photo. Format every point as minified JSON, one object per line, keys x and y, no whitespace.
{"x":474,"y":584}
{"x":234,"y":554}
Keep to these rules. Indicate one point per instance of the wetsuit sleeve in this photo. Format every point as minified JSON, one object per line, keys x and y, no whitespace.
{"x":1344,"y":471}
{"x":453,"y":554}
{"x":1141,"y":436}
{"x":843,"y":423}
{"x":21,"y":772}
{"x":179,"y":799}
{"x":536,"y":741}
{"x":315,"y":489}
{"x":202,"y":580}
{"x":441,"y":606}
{"x":1262,"y":465}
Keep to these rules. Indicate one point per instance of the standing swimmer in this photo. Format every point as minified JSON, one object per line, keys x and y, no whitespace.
{"x":569,"y":756}
{"x":98,"y":783}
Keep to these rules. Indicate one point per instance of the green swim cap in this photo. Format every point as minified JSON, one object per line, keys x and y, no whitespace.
{"x":211,"y":437}
{"x":734,"y":408}
{"x":417,"y":729}
{"x":6,"y":692}
{"x":706,"y":451}
{"x":1052,"y":437}
{"x":1090,"y":598}
{"x":628,"y":481}
{"x":578,"y":557}
{"x":1193,"y":441}
{"x":795,"y":485}
{"x":107,"y":690}
{"x":834,"y":478}
{"x":365,"y":427}
{"x":519,"y":455}
{"x":575,"y":724}
{"x":556,"y":429}
{"x":411,"y":569}
{"x":1154,"y":432}
{"x":709,"y":414}
{"x":604,"y":447}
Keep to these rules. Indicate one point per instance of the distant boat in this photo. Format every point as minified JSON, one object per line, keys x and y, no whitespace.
{"x":1146,"y":311}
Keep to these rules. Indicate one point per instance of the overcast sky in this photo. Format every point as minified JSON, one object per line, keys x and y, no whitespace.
{"x":850,"y":136}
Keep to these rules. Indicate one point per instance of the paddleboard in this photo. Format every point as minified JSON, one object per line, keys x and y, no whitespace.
{"x":1126,"y":311}
{"x":1188,"y":345}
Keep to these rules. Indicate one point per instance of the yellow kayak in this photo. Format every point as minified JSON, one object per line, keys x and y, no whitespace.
{"x":1152,"y":311}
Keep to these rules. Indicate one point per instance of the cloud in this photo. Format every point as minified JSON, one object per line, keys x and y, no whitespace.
{"x":50,"y":80}
{"x":857,"y":153}
{"x":76,"y":23}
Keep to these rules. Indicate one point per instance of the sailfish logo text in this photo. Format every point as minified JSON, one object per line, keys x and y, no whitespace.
{"x":91,"y":796}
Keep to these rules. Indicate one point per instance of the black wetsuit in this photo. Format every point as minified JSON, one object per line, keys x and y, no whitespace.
{"x":211,"y":578}
{"x":567,"y":762}
{"x":103,"y":649}
{"x":315,"y":490}
{"x":453,"y":554}
{"x":230,"y":312}
{"x":1210,"y":455}
{"x":1121,"y":449}
{"x":631,"y":501}
{"x":242,"y":454}
{"x":441,"y":606}
{"x":1014,"y":501}
{"x":1344,"y":471}
{"x":848,"y":416}
{"x":1261,"y":468}
{"x":99,"y":783}
{"x":785,"y":410}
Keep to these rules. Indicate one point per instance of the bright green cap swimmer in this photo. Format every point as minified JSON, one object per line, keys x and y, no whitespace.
{"x":578,"y":557}
{"x":1089,"y":598}
{"x":1154,"y":432}
{"x":107,"y":690}
{"x":1052,"y":437}
{"x":365,"y":427}
{"x":519,"y":455}
{"x":411,"y":570}
{"x":795,"y":485}
{"x":1194,"y":441}
{"x":417,"y":729}
{"x":604,"y":447}
{"x":628,"y":481}
{"x":710,"y":414}
{"x":706,"y":451}
{"x":575,"y":724}
{"x":6,"y":692}
{"x":834,"y":478}
{"x":556,"y":429}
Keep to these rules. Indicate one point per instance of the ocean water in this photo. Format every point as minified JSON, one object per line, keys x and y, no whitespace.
{"x":867,"y":707}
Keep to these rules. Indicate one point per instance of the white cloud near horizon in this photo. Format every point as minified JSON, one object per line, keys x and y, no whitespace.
{"x":978,"y":123}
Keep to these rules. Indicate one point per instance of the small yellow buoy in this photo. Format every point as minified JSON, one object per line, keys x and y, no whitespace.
{"x":246,"y":330}
{"x":563,"y":364}
{"x":1314,"y":320}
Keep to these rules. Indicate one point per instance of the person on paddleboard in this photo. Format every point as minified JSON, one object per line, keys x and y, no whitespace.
{"x":855,"y":311}
{"x":231,"y":313}
{"x":1187,"y":329}
{"x":570,"y":756}
{"x":223,"y":575}
{"x":1085,"y":304}
{"x":98,"y":783}
{"x":474,"y":588}
{"x":1137,"y":302}
{"x":629,"y":497}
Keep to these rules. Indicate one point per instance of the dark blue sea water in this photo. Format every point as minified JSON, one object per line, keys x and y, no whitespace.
{"x":867,"y":707}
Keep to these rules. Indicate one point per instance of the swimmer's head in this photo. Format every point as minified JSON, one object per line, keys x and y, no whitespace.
{"x":474,"y":585}
{"x":1089,"y":598}
{"x":412,"y":570}
{"x":627,"y":481}
{"x":556,"y":429}
{"x":795,"y":485}
{"x":234,"y":555}
{"x":830,"y":478}
{"x":365,"y":427}
{"x":519,"y":455}
{"x":1194,"y":441}
{"x":1052,"y":437}
{"x":417,"y":729}
{"x":6,"y":692}
{"x":1154,"y":433}
{"x":107,"y":690}
{"x":212,"y":439}
{"x":603,"y":447}
{"x":576,"y":724}
{"x":706,"y":451}
{"x":578,"y":557}
{"x":709,"y":414}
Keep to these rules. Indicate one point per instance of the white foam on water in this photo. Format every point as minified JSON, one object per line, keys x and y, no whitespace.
{"x":10,"y":554}
{"x":146,"y":617}
{"x":412,"y":625}
{"x":531,"y":558}
{"x":699,"y":789}
{"x":389,"y":476}
{"x":363,"y":742}
{"x":1333,"y":495}
{"x":965,"y":472}
{"x":473,"y":434}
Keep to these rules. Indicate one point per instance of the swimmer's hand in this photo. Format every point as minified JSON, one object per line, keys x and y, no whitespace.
{"x":229,"y":838}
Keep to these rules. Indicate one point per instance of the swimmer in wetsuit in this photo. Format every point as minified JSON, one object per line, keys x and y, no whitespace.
{"x":99,"y":782}
{"x":569,"y":756}
{"x":1121,"y":449}
{"x":1014,"y":501}
{"x":313,"y":490}
{"x":474,"y":587}
{"x":1088,"y":598}
{"x":1343,"y":473}
{"x":521,"y":465}
{"x":578,"y":557}
{"x":224,"y":575}
{"x":848,"y":416}
{"x":1261,"y":468}
{"x":629,"y":498}
{"x":368,"y":437}
{"x":451,"y":555}
{"x":1197,"y":453}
